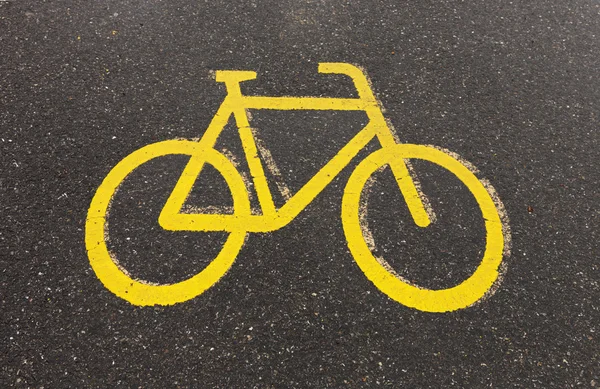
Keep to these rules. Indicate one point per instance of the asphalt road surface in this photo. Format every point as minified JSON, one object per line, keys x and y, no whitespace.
{"x":512,"y":87}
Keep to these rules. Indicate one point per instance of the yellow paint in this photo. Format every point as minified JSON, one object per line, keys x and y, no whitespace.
{"x":460,"y":296}
{"x":106,"y":267}
{"x":271,"y":218}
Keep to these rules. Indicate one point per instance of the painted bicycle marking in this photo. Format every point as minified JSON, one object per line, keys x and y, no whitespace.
{"x":271,"y":218}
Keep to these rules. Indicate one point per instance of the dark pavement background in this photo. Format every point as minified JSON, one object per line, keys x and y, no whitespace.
{"x":511,"y":86}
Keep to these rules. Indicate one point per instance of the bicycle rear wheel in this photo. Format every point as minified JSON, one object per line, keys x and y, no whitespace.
{"x":140,"y":292}
{"x":379,"y":272}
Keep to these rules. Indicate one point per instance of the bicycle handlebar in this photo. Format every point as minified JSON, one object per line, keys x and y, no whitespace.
{"x":357,"y":75}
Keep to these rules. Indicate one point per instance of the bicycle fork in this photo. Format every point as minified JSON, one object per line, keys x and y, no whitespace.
{"x":405,"y":180}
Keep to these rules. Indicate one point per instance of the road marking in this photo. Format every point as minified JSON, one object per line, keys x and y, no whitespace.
{"x":242,"y":220}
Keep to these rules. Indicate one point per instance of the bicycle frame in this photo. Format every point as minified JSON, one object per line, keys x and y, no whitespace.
{"x":272,"y":218}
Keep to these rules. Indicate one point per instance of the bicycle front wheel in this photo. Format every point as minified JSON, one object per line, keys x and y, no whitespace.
{"x":379,"y":272}
{"x":105,"y":265}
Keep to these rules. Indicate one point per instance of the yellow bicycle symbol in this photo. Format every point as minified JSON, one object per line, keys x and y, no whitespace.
{"x":242,"y":221}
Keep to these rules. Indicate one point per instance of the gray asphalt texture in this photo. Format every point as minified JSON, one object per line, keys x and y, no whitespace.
{"x":511,"y":86}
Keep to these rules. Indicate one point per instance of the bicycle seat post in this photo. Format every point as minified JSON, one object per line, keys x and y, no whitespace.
{"x":232,"y":80}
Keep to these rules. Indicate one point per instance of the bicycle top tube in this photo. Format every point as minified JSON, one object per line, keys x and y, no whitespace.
{"x":305,"y":103}
{"x":365,"y":101}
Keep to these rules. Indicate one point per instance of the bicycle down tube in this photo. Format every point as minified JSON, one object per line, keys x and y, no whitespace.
{"x":272,"y":218}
